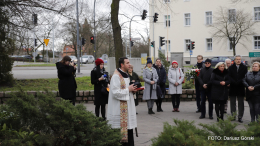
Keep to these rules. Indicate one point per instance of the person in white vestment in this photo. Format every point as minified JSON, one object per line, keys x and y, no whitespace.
{"x":121,"y":112}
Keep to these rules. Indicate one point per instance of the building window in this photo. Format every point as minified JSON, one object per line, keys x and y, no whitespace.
{"x":257,"y":13}
{"x":208,"y":18}
{"x":256,"y":42}
{"x":209,"y":44}
{"x":230,"y":44}
{"x":167,"y":1}
{"x":167,"y":20}
{"x":187,"y":43}
{"x":186,"y":0}
{"x":187,"y":19}
{"x":168,"y":44}
{"x":232,"y":15}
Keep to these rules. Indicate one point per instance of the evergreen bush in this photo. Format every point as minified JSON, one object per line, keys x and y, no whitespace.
{"x":57,"y":122}
{"x":223,"y":133}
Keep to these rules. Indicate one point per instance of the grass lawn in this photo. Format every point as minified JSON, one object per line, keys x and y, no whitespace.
{"x":83,"y":83}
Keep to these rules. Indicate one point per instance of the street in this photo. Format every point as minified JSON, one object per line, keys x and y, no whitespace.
{"x":44,"y":72}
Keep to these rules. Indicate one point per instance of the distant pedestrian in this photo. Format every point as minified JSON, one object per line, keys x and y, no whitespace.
{"x":219,"y":91}
{"x":237,"y":73}
{"x":199,"y":65}
{"x":150,"y":78}
{"x":133,"y":78}
{"x":99,"y":82}
{"x":228,"y":64}
{"x":175,"y":77}
{"x":161,"y":82}
{"x":205,"y":89}
{"x":252,"y":84}
{"x":67,"y":83}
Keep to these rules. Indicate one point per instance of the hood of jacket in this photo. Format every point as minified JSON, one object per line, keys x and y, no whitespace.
{"x":218,"y":72}
{"x":59,"y":65}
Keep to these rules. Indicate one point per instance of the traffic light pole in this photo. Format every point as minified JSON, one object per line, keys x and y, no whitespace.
{"x":130,"y":35}
{"x":95,"y":39}
{"x":78,"y":49}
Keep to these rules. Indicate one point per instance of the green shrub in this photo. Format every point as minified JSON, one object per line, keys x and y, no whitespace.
{"x":58,"y":122}
{"x":218,"y":134}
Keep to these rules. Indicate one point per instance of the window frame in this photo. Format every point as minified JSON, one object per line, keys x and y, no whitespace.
{"x":167,"y":20}
{"x":207,"y":45}
{"x":169,"y":45}
{"x":207,"y":17}
{"x":230,"y":50}
{"x":185,"y":19}
{"x":254,"y":43}
{"x":255,"y":13}
{"x":229,"y":16}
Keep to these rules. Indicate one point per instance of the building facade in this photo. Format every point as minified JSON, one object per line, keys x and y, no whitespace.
{"x":183,"y":21}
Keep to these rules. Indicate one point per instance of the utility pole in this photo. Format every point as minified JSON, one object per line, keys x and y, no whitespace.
{"x":53,"y":41}
{"x":78,"y":49}
{"x":95,"y":31}
{"x":153,"y":38}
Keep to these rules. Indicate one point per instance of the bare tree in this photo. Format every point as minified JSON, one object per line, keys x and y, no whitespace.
{"x":234,"y":26}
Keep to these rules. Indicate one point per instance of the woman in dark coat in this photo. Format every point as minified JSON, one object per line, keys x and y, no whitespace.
{"x":134,"y":78}
{"x":219,"y":90}
{"x":252,"y":84}
{"x":99,"y":81}
{"x":67,"y":83}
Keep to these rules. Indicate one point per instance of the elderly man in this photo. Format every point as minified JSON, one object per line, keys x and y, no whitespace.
{"x":228,"y":64}
{"x":237,"y":73}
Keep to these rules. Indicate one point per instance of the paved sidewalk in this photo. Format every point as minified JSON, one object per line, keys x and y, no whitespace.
{"x":150,"y":126}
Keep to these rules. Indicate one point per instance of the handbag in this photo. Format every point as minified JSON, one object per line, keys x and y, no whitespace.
{"x":180,"y":77}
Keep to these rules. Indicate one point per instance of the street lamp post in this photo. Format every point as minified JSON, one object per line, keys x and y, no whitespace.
{"x":95,"y":39}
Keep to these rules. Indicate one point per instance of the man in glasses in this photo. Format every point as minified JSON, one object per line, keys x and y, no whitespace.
{"x":199,"y":65}
{"x":204,"y":81}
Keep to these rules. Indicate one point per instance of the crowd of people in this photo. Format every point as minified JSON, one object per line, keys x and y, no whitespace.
{"x":217,"y":85}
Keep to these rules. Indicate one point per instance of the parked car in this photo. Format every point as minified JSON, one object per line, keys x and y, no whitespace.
{"x":74,"y":59}
{"x":27,"y":56}
{"x":87,"y":59}
{"x":217,"y":59}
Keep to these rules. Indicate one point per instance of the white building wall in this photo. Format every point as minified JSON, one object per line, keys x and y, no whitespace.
{"x":198,"y":30}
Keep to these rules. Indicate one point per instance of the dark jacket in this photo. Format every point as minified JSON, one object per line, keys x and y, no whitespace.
{"x":219,"y":92}
{"x":252,"y":80}
{"x":196,"y":66}
{"x":204,"y":78}
{"x":236,"y":80}
{"x":96,"y":73}
{"x":136,"y":78}
{"x":162,"y":78}
{"x":67,"y":84}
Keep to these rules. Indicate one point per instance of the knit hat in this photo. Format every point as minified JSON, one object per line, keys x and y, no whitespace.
{"x":174,"y":61}
{"x":149,"y":61}
{"x":99,"y":61}
{"x":208,"y":60}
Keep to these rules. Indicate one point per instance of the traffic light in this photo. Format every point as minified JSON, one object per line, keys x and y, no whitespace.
{"x":155,"y":17}
{"x":188,"y":47}
{"x":35,"y":42}
{"x":132,"y":43}
{"x":83,"y":41}
{"x":152,"y":43}
{"x":92,"y":41}
{"x":192,"y":45}
{"x":144,"y":14}
{"x":34,"y":18}
{"x":162,"y":41}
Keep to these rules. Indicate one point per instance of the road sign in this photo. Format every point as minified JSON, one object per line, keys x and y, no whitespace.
{"x":191,"y":52}
{"x":46,"y":41}
{"x":254,"y":54}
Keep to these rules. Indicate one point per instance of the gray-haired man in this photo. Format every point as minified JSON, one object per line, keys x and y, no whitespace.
{"x":237,"y":72}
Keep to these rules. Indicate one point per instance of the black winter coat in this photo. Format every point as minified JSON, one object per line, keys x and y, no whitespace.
{"x":252,"y":80}
{"x":219,"y":92}
{"x":204,"y":78}
{"x":100,"y":99}
{"x":236,"y":80}
{"x":162,"y":77}
{"x":196,"y":66}
{"x":67,"y":84}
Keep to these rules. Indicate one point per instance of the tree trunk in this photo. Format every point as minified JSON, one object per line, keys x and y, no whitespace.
{"x":116,"y":30}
